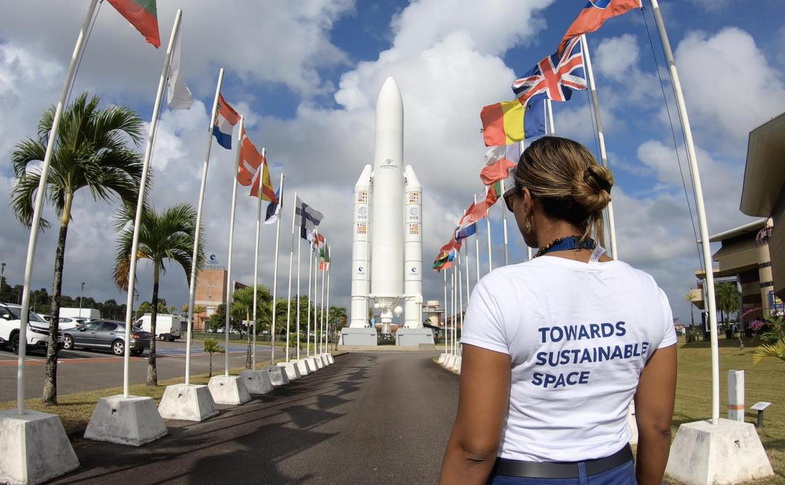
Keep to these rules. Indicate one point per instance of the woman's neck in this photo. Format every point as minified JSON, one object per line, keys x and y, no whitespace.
{"x":549,"y":230}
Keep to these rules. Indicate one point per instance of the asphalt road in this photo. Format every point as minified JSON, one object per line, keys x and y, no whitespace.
{"x":371,"y":418}
{"x":83,"y":370}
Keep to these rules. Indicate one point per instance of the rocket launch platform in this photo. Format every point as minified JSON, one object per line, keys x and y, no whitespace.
{"x":387,"y":237}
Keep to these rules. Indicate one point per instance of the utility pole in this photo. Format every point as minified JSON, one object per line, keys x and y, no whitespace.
{"x":81,"y":294}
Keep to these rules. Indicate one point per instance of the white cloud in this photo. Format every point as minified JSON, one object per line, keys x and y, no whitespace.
{"x":712,"y":5}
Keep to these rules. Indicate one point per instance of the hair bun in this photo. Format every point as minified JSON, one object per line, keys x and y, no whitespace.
{"x":592,"y":190}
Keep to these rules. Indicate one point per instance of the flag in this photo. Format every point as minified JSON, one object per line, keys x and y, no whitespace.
{"x":555,"y":77}
{"x":446,"y":255}
{"x":509,"y":122}
{"x":324,"y":258}
{"x":495,"y":171}
{"x":178,"y":96}
{"x":261,"y":175}
{"x":594,"y":14}
{"x":494,"y":192}
{"x":307,"y":218}
{"x":143,"y":16}
{"x":274,"y":208}
{"x":250,"y":161}
{"x":225,"y":119}
{"x":464,"y":232}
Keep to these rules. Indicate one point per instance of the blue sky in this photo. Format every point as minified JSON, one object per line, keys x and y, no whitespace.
{"x":306,"y":75}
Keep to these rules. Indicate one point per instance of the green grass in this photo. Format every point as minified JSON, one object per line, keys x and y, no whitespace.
{"x":763,"y":382}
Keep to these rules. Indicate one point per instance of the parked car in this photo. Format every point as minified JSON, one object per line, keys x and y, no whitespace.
{"x":37,"y":328}
{"x":106,"y":335}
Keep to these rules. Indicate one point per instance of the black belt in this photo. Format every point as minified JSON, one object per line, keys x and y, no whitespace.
{"x":533,"y":469}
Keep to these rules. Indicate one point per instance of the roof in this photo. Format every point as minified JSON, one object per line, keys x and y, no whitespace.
{"x":738,"y":231}
{"x":764,"y":172}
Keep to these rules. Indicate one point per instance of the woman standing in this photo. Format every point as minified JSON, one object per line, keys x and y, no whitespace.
{"x":554,"y":349}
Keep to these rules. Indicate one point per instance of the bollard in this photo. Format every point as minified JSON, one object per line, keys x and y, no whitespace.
{"x":736,"y":395}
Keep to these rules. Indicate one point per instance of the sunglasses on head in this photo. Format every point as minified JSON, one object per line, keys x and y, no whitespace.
{"x":508,"y":198}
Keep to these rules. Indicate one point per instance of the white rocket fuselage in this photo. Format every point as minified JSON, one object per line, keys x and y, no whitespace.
{"x":412,"y":250}
{"x":361,"y":255}
{"x":387,"y":206}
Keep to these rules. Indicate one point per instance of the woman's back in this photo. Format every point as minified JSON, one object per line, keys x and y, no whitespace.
{"x":578,"y":336}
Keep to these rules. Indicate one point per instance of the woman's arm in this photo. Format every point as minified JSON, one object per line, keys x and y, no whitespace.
{"x":653,"y":412}
{"x":482,"y":407}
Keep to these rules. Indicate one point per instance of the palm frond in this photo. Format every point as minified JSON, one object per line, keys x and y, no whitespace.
{"x":771,"y":350}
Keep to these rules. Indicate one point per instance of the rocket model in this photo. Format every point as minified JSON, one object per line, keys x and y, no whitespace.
{"x":387,"y":238}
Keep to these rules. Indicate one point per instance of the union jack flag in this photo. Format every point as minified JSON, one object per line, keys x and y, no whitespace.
{"x":554,"y":77}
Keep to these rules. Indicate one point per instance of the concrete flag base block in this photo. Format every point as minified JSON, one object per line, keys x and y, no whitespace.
{"x":330,"y":358}
{"x":228,"y":390}
{"x":256,"y":381}
{"x":456,"y":364}
{"x":33,"y":448}
{"x":413,"y":337}
{"x":442,"y":358}
{"x":314,"y":363}
{"x":449,"y":361}
{"x":359,"y":337}
{"x":278,"y":375}
{"x":724,"y":453}
{"x":292,"y":372}
{"x":325,"y":360}
{"x":187,"y":403}
{"x":632,"y":423}
{"x":303,"y":367}
{"x":131,"y":420}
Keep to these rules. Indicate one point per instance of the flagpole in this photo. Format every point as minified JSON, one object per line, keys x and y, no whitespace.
{"x":476,"y":250}
{"x":327,"y":316}
{"x":297,"y":320}
{"x":455,"y":274}
{"x":490,"y":245}
{"x":600,"y":136}
{"x":700,"y":208}
{"x":194,"y":260}
{"x":324,"y":270}
{"x":39,"y":200}
{"x":315,"y":292}
{"x":444,"y":303}
{"x":275,"y":271}
{"x":308,"y":311}
{"x":229,"y":283}
{"x":549,"y":110}
{"x":140,"y":202}
{"x":289,"y":292}
{"x":504,"y":227}
{"x":256,"y":259}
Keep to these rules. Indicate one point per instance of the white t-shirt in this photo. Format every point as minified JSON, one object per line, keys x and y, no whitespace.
{"x":578,"y":336}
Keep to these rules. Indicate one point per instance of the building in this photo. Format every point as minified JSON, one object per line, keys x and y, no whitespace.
{"x":762,"y":193}
{"x":210,"y":292}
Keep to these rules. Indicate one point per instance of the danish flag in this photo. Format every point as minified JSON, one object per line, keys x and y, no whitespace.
{"x":555,"y":77}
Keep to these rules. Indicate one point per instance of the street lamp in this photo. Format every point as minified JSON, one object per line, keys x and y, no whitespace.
{"x":80,"y":300}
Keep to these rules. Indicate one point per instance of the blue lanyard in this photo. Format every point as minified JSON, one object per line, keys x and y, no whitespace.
{"x":563,"y":244}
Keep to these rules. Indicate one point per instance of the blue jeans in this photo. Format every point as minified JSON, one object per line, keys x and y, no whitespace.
{"x":621,"y":475}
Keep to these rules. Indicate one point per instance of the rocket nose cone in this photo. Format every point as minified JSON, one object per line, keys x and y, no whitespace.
{"x":389,"y":91}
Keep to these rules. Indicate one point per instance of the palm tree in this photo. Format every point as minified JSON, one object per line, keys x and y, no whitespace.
{"x":165,"y":236}
{"x":91,"y":152}
{"x":242,"y":307}
{"x":211,"y":347}
{"x":772,"y":350}
{"x":727,"y":295}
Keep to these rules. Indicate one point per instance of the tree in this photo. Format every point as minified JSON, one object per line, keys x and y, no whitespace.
{"x":211,"y":347}
{"x":727,"y":296}
{"x":91,"y":152}
{"x":165,"y":236}
{"x":242,"y":307}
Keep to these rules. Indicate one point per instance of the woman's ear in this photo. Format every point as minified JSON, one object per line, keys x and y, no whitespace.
{"x":527,"y":199}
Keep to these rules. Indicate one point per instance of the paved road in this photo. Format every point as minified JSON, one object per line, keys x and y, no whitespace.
{"x":371,"y":418}
{"x":105,"y":370}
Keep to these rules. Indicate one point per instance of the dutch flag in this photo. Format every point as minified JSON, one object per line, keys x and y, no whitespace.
{"x":225,"y":119}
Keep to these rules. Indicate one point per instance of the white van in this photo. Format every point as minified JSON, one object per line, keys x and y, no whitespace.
{"x":167,"y":326}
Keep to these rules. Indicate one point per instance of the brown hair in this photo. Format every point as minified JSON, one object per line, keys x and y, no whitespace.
{"x":568,"y":182}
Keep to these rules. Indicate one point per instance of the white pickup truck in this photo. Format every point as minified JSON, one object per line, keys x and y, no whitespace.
{"x":37,"y":329}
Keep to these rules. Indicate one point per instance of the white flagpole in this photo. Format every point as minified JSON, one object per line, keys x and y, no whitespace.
{"x":444,"y":309}
{"x":466,"y":288}
{"x":256,"y":261}
{"x":453,"y":313}
{"x":455,"y":277}
{"x":504,"y":228}
{"x":308,"y":311}
{"x":601,"y":137}
{"x":551,"y":124}
{"x":229,"y":282}
{"x":39,"y":200}
{"x":476,"y":251}
{"x":289,"y":293}
{"x":315,"y":292}
{"x":490,"y":244}
{"x":297,"y":319}
{"x":324,"y":270}
{"x":701,"y":210}
{"x":275,"y":273}
{"x":192,"y":284}
{"x":327,"y":315}
{"x":140,"y":201}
